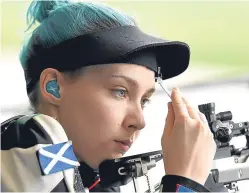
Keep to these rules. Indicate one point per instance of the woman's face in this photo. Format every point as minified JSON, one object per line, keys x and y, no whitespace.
{"x":103,"y":107}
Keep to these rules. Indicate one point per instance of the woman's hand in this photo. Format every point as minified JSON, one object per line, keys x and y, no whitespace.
{"x":187,"y":142}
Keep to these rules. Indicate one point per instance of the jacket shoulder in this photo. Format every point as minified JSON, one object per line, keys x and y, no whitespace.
{"x":24,"y":132}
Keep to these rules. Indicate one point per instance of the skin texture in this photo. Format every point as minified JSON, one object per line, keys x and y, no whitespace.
{"x":105,"y":105}
{"x":102,"y":106}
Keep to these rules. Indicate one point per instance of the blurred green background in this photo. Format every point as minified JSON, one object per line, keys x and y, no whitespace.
{"x":217,"y":32}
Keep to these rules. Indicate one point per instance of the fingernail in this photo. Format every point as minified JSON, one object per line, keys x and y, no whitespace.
{"x":169,"y":105}
{"x":176,"y":89}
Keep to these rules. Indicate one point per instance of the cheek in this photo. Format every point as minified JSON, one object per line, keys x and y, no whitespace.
{"x":71,"y":106}
{"x":105,"y":117}
{"x":71,"y":114}
{"x":97,"y":117}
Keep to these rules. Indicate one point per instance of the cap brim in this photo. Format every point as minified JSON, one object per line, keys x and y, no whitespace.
{"x":172,"y":56}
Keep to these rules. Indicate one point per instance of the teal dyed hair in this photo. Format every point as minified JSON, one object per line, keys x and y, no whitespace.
{"x":63,"y":20}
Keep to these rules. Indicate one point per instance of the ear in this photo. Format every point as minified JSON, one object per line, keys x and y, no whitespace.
{"x":51,"y":86}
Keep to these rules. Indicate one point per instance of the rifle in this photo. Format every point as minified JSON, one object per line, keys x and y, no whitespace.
{"x":121,"y":171}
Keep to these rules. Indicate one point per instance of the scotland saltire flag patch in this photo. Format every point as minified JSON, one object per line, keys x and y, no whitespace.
{"x":58,"y":157}
{"x":181,"y":188}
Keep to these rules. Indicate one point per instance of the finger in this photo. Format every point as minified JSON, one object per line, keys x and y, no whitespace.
{"x":192,"y":111}
{"x":203,"y":118}
{"x":169,"y":120}
{"x":179,"y":106}
{"x":205,"y":122}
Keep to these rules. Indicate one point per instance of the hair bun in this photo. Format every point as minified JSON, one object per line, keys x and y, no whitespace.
{"x":40,"y":10}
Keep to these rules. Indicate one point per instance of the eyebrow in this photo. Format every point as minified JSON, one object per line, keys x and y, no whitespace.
{"x":133,"y":82}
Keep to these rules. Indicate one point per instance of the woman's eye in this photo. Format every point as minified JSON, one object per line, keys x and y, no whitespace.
{"x":121,"y":93}
{"x":144,"y":102}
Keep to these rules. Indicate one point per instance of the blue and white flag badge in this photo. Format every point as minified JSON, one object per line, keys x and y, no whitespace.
{"x":181,"y":188}
{"x":58,"y":157}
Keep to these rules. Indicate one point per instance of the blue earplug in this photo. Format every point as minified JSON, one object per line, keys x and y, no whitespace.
{"x":53,"y":88}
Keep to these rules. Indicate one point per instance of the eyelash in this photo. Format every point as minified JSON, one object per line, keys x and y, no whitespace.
{"x":147,"y":102}
{"x":125,"y":92}
{"x":115,"y":91}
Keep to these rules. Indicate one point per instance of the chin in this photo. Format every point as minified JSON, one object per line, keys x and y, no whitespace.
{"x":117,"y":155}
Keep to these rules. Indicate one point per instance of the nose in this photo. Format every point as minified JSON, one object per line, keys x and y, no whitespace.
{"x":135,"y":117}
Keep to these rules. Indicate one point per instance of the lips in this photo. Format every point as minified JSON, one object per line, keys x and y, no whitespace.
{"x":124,"y":145}
{"x":126,"y":142}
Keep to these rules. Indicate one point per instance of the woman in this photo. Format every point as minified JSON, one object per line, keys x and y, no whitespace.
{"x":90,"y":72}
